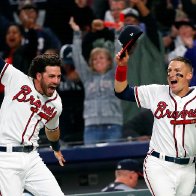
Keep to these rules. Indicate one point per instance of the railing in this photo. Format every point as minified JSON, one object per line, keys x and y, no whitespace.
{"x":102,"y":151}
{"x":144,"y":192}
{"x":141,"y":192}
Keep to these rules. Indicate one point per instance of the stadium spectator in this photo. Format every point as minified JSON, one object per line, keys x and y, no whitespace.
{"x":18,"y":52}
{"x":83,"y":15}
{"x":113,"y":14}
{"x":102,"y":111}
{"x":99,"y":36}
{"x":28,"y":14}
{"x":184,"y":44}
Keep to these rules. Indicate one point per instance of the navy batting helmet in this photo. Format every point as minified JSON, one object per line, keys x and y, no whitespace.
{"x":128,"y":36}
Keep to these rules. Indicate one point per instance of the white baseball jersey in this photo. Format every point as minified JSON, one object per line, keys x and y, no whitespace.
{"x":174,"y":129}
{"x":24,"y":110}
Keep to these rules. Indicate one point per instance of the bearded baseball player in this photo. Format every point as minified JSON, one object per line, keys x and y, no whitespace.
{"x":30,"y":103}
{"x":169,"y":167}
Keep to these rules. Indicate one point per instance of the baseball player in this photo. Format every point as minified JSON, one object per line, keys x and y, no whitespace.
{"x":30,"y":103}
{"x":169,"y":167}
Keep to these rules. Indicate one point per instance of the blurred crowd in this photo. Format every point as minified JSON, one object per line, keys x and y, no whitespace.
{"x":85,"y":35}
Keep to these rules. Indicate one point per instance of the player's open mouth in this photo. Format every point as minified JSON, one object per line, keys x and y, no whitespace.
{"x":52,"y":88}
{"x":173,"y":83}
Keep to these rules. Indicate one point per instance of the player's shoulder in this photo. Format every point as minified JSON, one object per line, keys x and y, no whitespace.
{"x":13,"y":76}
{"x":14,"y":72}
{"x":156,"y":87}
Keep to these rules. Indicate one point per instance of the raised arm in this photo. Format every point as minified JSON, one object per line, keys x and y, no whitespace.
{"x":121,"y":87}
{"x":120,"y":82}
{"x":79,"y":62}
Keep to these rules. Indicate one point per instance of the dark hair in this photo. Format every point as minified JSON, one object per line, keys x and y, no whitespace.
{"x":27,"y":6}
{"x":40,"y":62}
{"x":184,"y":60}
{"x":17,"y":26}
{"x":99,"y":50}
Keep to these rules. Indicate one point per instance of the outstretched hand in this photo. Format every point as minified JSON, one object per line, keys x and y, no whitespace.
{"x":59,"y":157}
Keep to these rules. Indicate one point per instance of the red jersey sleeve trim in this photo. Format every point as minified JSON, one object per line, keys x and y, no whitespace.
{"x":137,"y":97}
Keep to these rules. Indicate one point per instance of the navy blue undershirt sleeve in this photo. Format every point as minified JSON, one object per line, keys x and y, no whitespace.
{"x":2,"y":63}
{"x":127,"y":94}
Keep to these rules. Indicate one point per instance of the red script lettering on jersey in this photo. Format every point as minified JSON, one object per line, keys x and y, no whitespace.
{"x":162,"y":112}
{"x":22,"y":96}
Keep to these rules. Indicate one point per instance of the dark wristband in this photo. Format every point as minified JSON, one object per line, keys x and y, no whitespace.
{"x":55,"y":145}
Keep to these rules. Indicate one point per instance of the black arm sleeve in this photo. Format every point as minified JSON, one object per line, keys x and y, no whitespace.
{"x":2,"y":63}
{"x":127,"y":94}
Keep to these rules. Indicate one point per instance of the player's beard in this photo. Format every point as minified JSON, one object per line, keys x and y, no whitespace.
{"x":48,"y":90}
